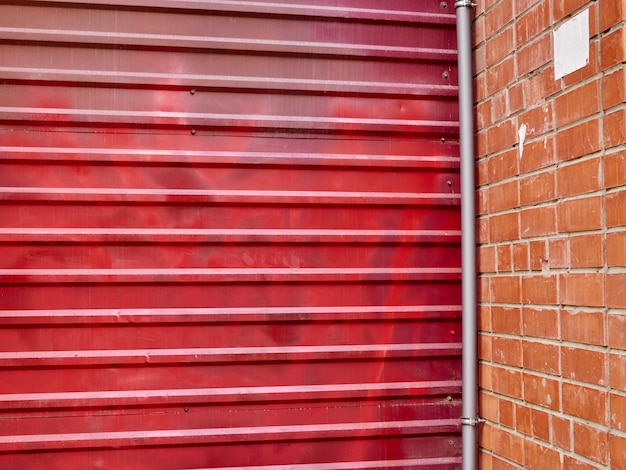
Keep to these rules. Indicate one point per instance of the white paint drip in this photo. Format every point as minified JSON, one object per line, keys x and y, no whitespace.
{"x":521,"y":135}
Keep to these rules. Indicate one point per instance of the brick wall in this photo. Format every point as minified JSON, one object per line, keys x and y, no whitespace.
{"x":551,"y":169}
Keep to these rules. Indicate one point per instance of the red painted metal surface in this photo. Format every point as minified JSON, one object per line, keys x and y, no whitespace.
{"x":229,"y":235}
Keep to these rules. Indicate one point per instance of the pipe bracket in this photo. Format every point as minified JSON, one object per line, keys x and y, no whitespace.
{"x":471,"y":421}
{"x":464,"y":3}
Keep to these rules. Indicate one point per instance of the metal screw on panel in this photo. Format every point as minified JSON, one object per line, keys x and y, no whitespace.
{"x":449,"y":183}
{"x":192,"y":91}
{"x":443,"y":139}
{"x":444,"y":5}
{"x":193,"y":132}
{"x":186,"y":409}
{"x":449,"y":398}
{"x":445,"y":75}
{"x":453,"y":333}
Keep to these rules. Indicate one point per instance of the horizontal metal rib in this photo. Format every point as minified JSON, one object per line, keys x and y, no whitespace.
{"x":406,"y":464}
{"x":205,"y":396}
{"x":236,"y":158}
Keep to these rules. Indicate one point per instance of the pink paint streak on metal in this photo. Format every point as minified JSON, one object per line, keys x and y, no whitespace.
{"x":230,"y":235}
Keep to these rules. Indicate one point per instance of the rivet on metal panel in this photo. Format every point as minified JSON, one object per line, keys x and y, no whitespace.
{"x":453,"y":333}
{"x":193,"y":132}
{"x":443,"y":4}
{"x":445,"y":74}
{"x":192,"y":91}
{"x":186,"y":409}
{"x":443,"y":139}
{"x":449,"y":398}
{"x":449,"y":183}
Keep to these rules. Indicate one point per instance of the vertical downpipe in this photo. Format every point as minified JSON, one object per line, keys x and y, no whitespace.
{"x":469,"y":419}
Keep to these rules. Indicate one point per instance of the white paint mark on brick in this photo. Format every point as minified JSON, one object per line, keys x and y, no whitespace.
{"x":571,"y":45}
{"x":521,"y":135}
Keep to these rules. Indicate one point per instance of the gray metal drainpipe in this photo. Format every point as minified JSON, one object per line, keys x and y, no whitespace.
{"x":470,"y":418}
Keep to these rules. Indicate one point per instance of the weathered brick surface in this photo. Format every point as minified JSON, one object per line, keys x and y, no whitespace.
{"x":551,"y":228}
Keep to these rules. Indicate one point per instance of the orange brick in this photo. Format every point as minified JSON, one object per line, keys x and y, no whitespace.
{"x":504,"y":196}
{"x":616,"y":209}
{"x":617,"y":331}
{"x":578,"y":103}
{"x":508,"y":445}
{"x":483,"y":116}
{"x":542,"y":391}
{"x":540,"y":290}
{"x":540,"y":457}
{"x":538,"y":221}
{"x":538,"y":120}
{"x":581,"y":139}
{"x":506,"y":289}
{"x":521,"y":256}
{"x":541,"y":357}
{"x":581,"y":214}
{"x":558,"y":256}
{"x":500,"y":76}
{"x":587,"y":251}
{"x":507,"y":351}
{"x":583,"y":327}
{"x":611,"y":13}
{"x":618,"y":411}
{"x":580,"y":177}
{"x":584,"y":365}
{"x":562,"y":8}
{"x":501,"y":136}
{"x":615,"y":128}
{"x":506,"y":320}
{"x":503,"y":165}
{"x":617,"y":371}
{"x":582,"y":289}
{"x":540,"y":424}
{"x":586,"y":403}
{"x":484,"y":317}
{"x":537,"y":188}
{"x":541,"y":86}
{"x":504,"y":227}
{"x":485,"y":348}
{"x":489,"y":407}
{"x":505,"y":258}
{"x":485,"y":376}
{"x":534,"y":54}
{"x":497,"y":17}
{"x":591,"y":442}
{"x":570,"y":463}
{"x":507,"y":414}
{"x":540,"y":323}
{"x":507,"y":382}
{"x":538,"y":254}
{"x":486,"y":257}
{"x":613,"y":48}
{"x":617,"y":444}
{"x":516,"y":97}
{"x":482,"y":230}
{"x":537,"y":154}
{"x":561,"y":432}
{"x":613,"y":90}
{"x":523,"y":422}
{"x":499,"y":46}
{"x":533,"y":22}
{"x":615,"y":167}
{"x":616,"y":290}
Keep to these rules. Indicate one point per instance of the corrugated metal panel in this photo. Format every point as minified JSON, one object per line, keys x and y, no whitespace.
{"x":229,"y":235}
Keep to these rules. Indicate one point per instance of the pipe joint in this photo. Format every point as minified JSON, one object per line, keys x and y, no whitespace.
{"x":471,"y":421}
{"x":465,"y":3}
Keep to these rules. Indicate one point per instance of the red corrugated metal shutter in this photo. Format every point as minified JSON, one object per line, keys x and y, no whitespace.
{"x":229,"y":235}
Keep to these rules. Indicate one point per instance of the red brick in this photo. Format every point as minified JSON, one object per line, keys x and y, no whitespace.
{"x":521,"y":256}
{"x":584,"y":365}
{"x":579,"y":140}
{"x":503,"y":165}
{"x":506,"y":320}
{"x":504,"y":196}
{"x":482,"y":230}
{"x":501,"y":136}
{"x":507,"y":351}
{"x":486,"y":259}
{"x":562,"y":8}
{"x":615,"y":167}
{"x":516,"y":97}
{"x":484,"y":289}
{"x":580,"y":214}
{"x":482,"y":201}
{"x":507,"y":414}
{"x":523,"y":421}
{"x":505,"y":258}
{"x":499,"y":46}
{"x":507,"y":382}
{"x":570,"y":463}
{"x":611,"y":13}
{"x":613,"y":48}
{"x":541,"y":424}
{"x":583,"y":327}
{"x":500,"y":76}
{"x":485,"y":348}
{"x":538,"y":457}
{"x":508,"y":445}
{"x":485,"y":376}
{"x":489,"y":407}
{"x":617,"y":331}
{"x":617,"y":444}
{"x":497,"y":17}
{"x":533,"y":22}
{"x":538,"y":221}
{"x":498,"y":464}
{"x":586,"y":403}
{"x":537,"y":154}
{"x":500,"y":105}
{"x":613,"y":90}
{"x":480,"y":87}
{"x":616,"y":290}
{"x":558,"y":256}
{"x":587,"y":251}
{"x":504,"y":227}
{"x":540,"y":290}
{"x":537,"y":188}
{"x":538,"y":120}
{"x":541,"y":357}
{"x":538,"y":254}
{"x":578,"y":103}
{"x":483,"y":114}
{"x":540,"y":323}
{"x":615,"y":128}
{"x":591,"y":442}
{"x":506,"y":289}
{"x":541,"y":86}
{"x":618,"y":411}
{"x":617,"y":372}
{"x":582,"y":289}
{"x":534,"y":54}
{"x":580,"y":177}
{"x":561,"y":432}
{"x":481,"y":143}
{"x":484,"y":459}
{"x":616,"y":209}
{"x":484,"y":317}
{"x":542,"y":391}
